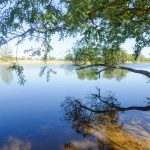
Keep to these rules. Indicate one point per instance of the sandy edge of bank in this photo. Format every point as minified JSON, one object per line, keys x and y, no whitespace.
{"x":35,"y":62}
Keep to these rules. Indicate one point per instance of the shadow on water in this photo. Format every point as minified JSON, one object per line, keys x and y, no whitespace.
{"x":98,"y":116}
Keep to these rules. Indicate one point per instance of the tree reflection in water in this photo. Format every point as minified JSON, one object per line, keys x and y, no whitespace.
{"x":108,"y":73}
{"x":98,"y":116}
{"x":89,"y":74}
{"x":118,"y":74}
{"x":142,"y":72}
{"x":6,"y":75}
{"x":19,"y":70}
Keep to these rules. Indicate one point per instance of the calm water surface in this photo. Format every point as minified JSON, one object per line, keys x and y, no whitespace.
{"x":38,"y":115}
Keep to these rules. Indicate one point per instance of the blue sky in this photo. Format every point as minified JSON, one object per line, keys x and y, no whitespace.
{"x":60,"y":48}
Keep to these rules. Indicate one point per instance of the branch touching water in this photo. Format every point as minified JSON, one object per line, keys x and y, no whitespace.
{"x":142,"y":72}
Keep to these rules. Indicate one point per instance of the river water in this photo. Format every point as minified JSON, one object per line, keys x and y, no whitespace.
{"x":41,"y":112}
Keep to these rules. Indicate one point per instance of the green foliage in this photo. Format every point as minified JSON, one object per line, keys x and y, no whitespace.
{"x":106,"y":23}
{"x":93,"y":55}
{"x":84,"y":55}
{"x":112,"y":57}
{"x":109,"y":23}
{"x":109,"y":57}
{"x":69,"y":57}
{"x":141,"y":59}
{"x":33,"y":19}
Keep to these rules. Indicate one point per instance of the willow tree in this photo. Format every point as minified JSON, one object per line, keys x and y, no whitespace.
{"x":32,"y":19}
{"x":112,"y":58}
{"x":109,"y":23}
{"x":106,"y":23}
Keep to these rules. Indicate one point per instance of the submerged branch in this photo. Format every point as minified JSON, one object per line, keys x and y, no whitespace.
{"x":143,"y":72}
{"x":88,"y":66}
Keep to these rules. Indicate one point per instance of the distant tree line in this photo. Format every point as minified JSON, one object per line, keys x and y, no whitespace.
{"x":102,"y":24}
{"x":81,"y":56}
{"x":6,"y":54}
{"x":90,"y":55}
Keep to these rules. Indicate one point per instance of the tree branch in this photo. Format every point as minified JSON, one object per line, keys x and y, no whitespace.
{"x":88,"y":66}
{"x":143,"y":72}
{"x":103,"y":7}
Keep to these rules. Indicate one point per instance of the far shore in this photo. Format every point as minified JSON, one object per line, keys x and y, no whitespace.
{"x":35,"y":62}
{"x":53,"y":62}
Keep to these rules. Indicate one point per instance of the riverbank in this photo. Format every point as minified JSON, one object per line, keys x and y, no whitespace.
{"x":35,"y":62}
{"x":54,"y":62}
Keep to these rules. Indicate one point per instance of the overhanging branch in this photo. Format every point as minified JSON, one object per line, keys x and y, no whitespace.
{"x":143,"y":72}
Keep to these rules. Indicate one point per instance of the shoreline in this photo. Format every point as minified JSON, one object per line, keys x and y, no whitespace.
{"x":35,"y":62}
{"x":52,"y":62}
